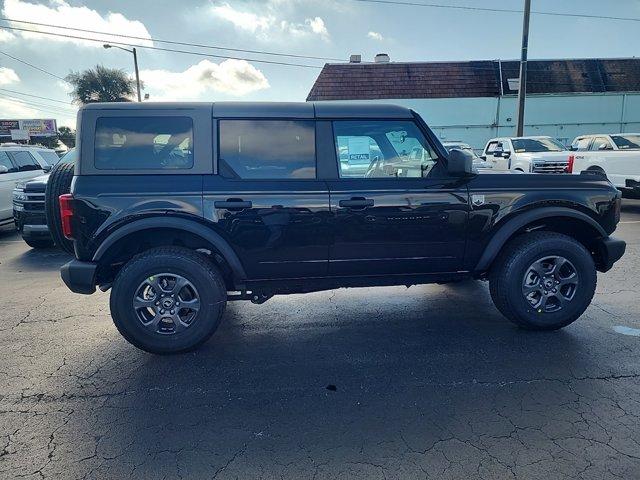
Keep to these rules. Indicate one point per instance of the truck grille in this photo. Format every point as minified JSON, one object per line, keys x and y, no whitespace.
{"x":550,"y":167}
{"x":33,"y":202}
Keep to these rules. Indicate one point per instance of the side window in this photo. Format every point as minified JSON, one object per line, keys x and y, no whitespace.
{"x":5,"y":161}
{"x":49,"y":156}
{"x":143,"y":143}
{"x":267,"y":149}
{"x":601,"y":143}
{"x":25,"y":161}
{"x":382,"y":149}
{"x":581,"y":144}
{"x":491,"y":147}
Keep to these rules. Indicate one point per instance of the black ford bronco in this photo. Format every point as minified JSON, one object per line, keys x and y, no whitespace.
{"x":179,"y":208}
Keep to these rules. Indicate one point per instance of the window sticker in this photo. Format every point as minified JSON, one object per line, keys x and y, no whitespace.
{"x":359,"y":148}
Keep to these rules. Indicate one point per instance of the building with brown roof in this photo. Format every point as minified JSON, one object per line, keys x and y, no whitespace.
{"x":476,"y":100}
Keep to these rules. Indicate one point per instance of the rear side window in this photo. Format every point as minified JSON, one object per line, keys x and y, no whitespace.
{"x":144,"y":143}
{"x":5,"y":161}
{"x":267,"y":149}
{"x":25,"y":161}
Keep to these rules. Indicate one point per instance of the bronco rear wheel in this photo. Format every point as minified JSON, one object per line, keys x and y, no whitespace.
{"x":168,"y":300}
{"x":543,"y":281}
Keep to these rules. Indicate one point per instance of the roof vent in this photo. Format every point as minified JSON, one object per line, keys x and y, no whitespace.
{"x":382,"y":58}
{"x":355,"y":59}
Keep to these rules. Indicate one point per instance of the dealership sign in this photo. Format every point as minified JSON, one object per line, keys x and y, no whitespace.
{"x":35,"y":127}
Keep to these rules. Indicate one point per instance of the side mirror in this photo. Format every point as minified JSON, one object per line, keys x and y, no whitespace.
{"x":573,"y":149}
{"x":498,"y":152}
{"x":47,"y":168}
{"x":460,"y":163}
{"x":4,"y":169}
{"x":483,"y":158}
{"x":506,"y":154}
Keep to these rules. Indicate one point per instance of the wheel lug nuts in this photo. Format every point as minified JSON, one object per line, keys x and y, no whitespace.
{"x":173,"y":312}
{"x":161,"y":311}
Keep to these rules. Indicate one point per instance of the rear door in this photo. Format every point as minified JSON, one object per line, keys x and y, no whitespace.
{"x":404,"y":215}
{"x":267,"y":199}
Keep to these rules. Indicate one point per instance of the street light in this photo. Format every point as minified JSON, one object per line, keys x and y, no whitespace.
{"x":135,"y":64}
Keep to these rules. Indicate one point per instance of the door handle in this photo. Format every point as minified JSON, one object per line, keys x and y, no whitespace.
{"x":356,"y":203}
{"x":233,"y":204}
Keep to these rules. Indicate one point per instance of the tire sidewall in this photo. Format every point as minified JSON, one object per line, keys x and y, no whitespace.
{"x":212,"y":303}
{"x":585,"y":270}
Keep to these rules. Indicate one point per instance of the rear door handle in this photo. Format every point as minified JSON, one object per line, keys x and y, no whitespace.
{"x":233,"y":204}
{"x":356,"y":203}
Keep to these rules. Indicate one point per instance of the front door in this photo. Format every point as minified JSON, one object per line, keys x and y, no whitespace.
{"x":267,"y":200}
{"x":402,"y":214}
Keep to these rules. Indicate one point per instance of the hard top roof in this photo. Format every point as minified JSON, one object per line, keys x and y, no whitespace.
{"x":269,"y":109}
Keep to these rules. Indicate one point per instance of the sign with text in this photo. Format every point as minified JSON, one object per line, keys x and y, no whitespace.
{"x":37,"y":127}
{"x":19,"y":134}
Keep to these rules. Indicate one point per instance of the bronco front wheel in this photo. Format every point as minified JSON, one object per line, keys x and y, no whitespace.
{"x":543,"y":281}
{"x":168,"y":300}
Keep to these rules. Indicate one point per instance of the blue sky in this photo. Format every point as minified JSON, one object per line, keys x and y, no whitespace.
{"x":331,"y":28}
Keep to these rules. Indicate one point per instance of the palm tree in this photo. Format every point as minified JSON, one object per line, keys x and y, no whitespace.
{"x":101,"y":84}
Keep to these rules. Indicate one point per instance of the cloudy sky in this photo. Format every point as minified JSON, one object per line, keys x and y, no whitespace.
{"x":310,"y":28}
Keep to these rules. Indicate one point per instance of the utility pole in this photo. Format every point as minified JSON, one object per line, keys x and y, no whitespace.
{"x":135,"y":64}
{"x":522,"y":90}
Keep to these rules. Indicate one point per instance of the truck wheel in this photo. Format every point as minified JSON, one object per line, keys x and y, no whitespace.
{"x":543,"y":281}
{"x":37,"y":244}
{"x":168,"y":300}
{"x":58,"y":184}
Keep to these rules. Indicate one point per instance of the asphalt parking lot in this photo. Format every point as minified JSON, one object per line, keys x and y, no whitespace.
{"x":429,"y":382}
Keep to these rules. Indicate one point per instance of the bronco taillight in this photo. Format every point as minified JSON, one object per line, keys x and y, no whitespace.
{"x":66,"y":214}
{"x":572,"y":159}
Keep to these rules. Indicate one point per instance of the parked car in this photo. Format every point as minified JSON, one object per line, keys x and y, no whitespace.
{"x":243,"y":201}
{"x":527,"y":154}
{"x":29,"y":208}
{"x":18,"y":163}
{"x":478,"y":162}
{"x":616,"y":155}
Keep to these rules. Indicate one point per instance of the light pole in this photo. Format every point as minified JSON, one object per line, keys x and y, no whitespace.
{"x":522,"y":90}
{"x":135,"y":64}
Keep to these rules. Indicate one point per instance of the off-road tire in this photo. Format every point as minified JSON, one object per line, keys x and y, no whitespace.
{"x":38,"y":244}
{"x":59,"y":183}
{"x":193,"y":266}
{"x":506,"y":277}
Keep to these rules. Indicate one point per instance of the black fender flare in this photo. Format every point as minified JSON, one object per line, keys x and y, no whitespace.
{"x":190,"y":226}
{"x":504,"y":233}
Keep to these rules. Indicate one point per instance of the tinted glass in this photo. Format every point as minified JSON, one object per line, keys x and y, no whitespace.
{"x":382,"y":149}
{"x":581,"y":144}
{"x":50,"y":157}
{"x":25,"y":161}
{"x":601,"y":143}
{"x":267,"y":149}
{"x":627,"y":142}
{"x":537,"y":145}
{"x":144,"y":143}
{"x":6,"y":162}
{"x":70,"y":156}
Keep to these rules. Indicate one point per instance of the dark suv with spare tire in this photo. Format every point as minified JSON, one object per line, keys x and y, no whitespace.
{"x":179,"y":208}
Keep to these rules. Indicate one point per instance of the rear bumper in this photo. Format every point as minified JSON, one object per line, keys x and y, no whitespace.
{"x":609,"y":250}
{"x":79,"y":276}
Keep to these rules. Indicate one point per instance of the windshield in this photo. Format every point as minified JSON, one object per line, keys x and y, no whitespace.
{"x":537,"y":145}
{"x":49,"y":156}
{"x":627,"y":142}
{"x":69,"y":157}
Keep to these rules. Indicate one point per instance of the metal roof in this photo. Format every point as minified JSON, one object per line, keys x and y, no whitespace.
{"x":485,"y":78}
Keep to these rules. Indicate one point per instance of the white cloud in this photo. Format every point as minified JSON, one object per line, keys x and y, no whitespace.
{"x":6,"y":36}
{"x":267,"y":25}
{"x":16,"y":109}
{"x":234,"y":77}
{"x":59,"y":12}
{"x":375,"y":36}
{"x":7,"y":76}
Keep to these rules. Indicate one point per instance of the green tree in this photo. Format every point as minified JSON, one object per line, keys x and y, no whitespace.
{"x":101,"y":84}
{"x":67,"y":136}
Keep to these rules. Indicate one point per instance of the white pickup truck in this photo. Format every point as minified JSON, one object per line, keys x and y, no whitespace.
{"x":617,"y":155}
{"x":527,"y":154}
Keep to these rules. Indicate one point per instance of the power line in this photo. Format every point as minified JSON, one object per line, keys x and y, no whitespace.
{"x":36,"y":96}
{"x":174,"y":42}
{"x":187,"y":52}
{"x":31,"y":65}
{"x":496,"y":10}
{"x":45,"y":108}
